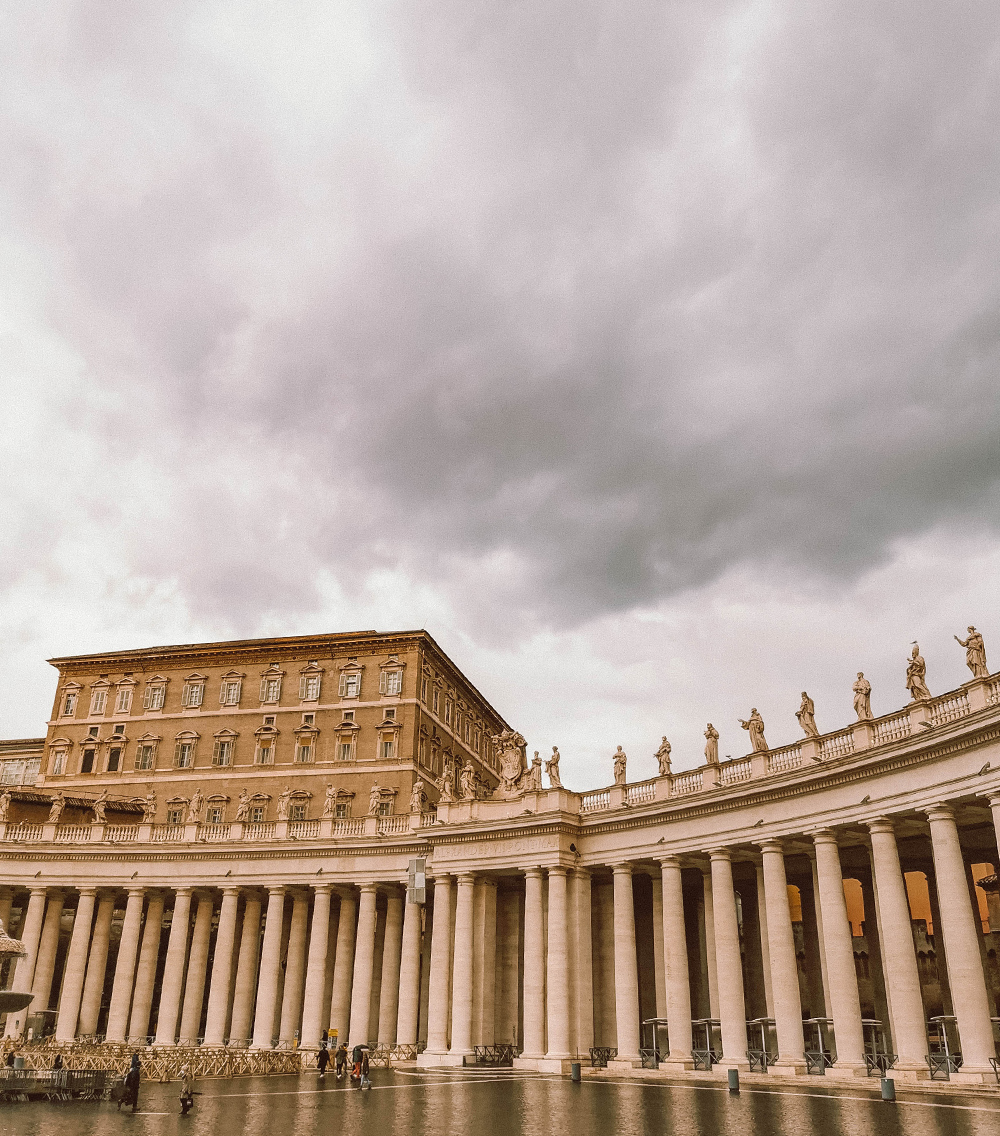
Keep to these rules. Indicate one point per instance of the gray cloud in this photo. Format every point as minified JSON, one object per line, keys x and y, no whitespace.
{"x":615,"y":298}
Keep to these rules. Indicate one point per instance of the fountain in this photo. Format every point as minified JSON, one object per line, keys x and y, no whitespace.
{"x":11,"y":1000}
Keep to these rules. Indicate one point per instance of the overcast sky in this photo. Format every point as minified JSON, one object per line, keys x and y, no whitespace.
{"x":645,"y":353}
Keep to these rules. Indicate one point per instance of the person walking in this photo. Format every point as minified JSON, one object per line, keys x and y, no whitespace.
{"x":322,"y":1060}
{"x":341,"y":1059}
{"x":356,"y":1055}
{"x":187,"y":1091}
{"x":365,"y":1079}
{"x":132,"y":1078}
{"x":57,"y":1064}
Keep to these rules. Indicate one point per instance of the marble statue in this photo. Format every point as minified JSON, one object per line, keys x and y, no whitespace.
{"x":975,"y":653}
{"x":417,"y":796}
{"x":243,"y":805}
{"x":194,"y":808}
{"x":513,"y":763}
{"x":5,"y":799}
{"x":374,"y":799}
{"x":712,"y":745}
{"x":446,"y":788}
{"x":467,"y":781}
{"x":755,"y":724}
{"x":56,"y":808}
{"x":862,"y":698}
{"x":284,"y":803}
{"x":663,"y":756}
{"x":806,"y":715}
{"x":552,"y":769}
{"x":534,"y":777}
{"x":99,"y":805}
{"x":916,"y":676}
{"x":620,"y":759}
{"x":149,"y":808}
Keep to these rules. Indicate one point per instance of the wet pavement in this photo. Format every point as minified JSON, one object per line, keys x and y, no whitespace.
{"x":503,"y":1103}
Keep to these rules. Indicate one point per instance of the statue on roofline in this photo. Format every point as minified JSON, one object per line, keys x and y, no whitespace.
{"x":975,"y":653}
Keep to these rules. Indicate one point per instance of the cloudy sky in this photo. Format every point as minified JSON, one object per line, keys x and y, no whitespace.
{"x":645,"y":353}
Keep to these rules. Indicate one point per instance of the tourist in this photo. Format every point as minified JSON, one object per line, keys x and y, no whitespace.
{"x":132,"y":1078}
{"x":365,"y":1080}
{"x":11,"y":1058}
{"x":341,"y":1059}
{"x":187,"y":1091}
{"x":356,"y":1055}
{"x":323,"y":1059}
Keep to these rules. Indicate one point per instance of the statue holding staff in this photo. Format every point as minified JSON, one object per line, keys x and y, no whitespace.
{"x":663,"y":756}
{"x":806,"y":715}
{"x":975,"y":653}
{"x":755,"y":724}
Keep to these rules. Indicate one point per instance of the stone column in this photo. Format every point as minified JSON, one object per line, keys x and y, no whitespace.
{"x":845,"y":1004}
{"x":784,"y":969}
{"x":461,"y":1006}
{"x":440,"y":977}
{"x":388,"y":1001}
{"x":93,"y":986}
{"x":710,"y":955}
{"x":316,"y":968}
{"x":765,"y":951}
{"x":584,"y":963}
{"x":364,"y":967}
{"x":194,"y":988}
{"x":820,"y":936}
{"x":484,"y":989}
{"x":6,"y":901}
{"x":48,"y":946}
{"x":270,"y":964}
{"x":676,"y":979}
{"x":128,"y":947}
{"x":76,"y":966}
{"x":659,"y":954}
{"x":24,"y":970}
{"x":626,"y":969}
{"x":343,"y":970}
{"x":902,"y":980}
{"x":173,"y":970}
{"x":222,"y":969}
{"x":409,"y":976}
{"x":534,"y":967}
{"x":245,"y":989}
{"x":145,"y":975}
{"x":961,"y":942}
{"x":732,"y":1007}
{"x":557,"y":967}
{"x":295,"y":969}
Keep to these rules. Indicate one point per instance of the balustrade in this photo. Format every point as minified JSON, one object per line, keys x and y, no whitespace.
{"x":351,"y":827}
{"x":120,"y":833}
{"x":733,"y":772}
{"x":601,"y":799}
{"x":213,"y":832}
{"x":73,"y":833}
{"x":787,"y":757}
{"x":303,"y":829}
{"x":687,"y":783}
{"x":950,"y":707}
{"x":161,"y":833}
{"x":892,"y":728}
{"x":388,"y":825}
{"x":258,"y":831}
{"x":640,"y":793}
{"x":837,"y":745}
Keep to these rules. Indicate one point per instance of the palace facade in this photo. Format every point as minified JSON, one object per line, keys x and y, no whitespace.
{"x":216,"y":844}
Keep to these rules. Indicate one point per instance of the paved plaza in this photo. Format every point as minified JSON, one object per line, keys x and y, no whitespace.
{"x":513,"y":1104}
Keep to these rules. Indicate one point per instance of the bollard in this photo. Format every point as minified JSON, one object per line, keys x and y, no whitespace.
{"x":888,"y":1089}
{"x":574,"y":1071}
{"x":734,"y":1080}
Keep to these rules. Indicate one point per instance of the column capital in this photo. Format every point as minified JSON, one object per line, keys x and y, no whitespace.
{"x":994,"y":798}
{"x":233,"y":889}
{"x":772,"y":846}
{"x":533,"y":873}
{"x":183,"y":891}
{"x":84,"y":889}
{"x":557,"y":870}
{"x":136,"y":889}
{"x":880,"y":825}
{"x":671,"y":861}
{"x":622,"y":868}
{"x":939,"y":812}
{"x":38,"y":889}
{"x":322,"y":887}
{"x":721,"y":854}
{"x":466,"y":879}
{"x":277,"y":889}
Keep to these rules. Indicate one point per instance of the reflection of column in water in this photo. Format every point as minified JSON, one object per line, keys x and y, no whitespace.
{"x":407,"y":1109}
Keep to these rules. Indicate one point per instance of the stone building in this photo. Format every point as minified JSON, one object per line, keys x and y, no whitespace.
{"x":808,"y":906}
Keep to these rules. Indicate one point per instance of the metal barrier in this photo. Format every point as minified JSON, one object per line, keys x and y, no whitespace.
{"x":759,"y":1060}
{"x":600,"y":1055}
{"x":650,"y":1058}
{"x":879,"y":1064}
{"x":996,"y":1068}
{"x":384,"y":1056}
{"x":942,"y":1065}
{"x":704,"y":1059}
{"x":818,"y":1061}
{"x":495,"y":1055}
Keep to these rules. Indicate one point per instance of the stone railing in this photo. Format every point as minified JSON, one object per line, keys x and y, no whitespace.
{"x":590,"y":802}
{"x":214,"y":832}
{"x":993,"y":691}
{"x":303,"y":829}
{"x":23,"y":832}
{"x":640,"y":793}
{"x":950,"y":707}
{"x":349,"y":827}
{"x":390,"y":825}
{"x":161,"y":833}
{"x":891,"y":728}
{"x":73,"y":833}
{"x":688,"y":782}
{"x":258,"y":830}
{"x":735,"y":771}
{"x":427,"y":819}
{"x":787,"y":757}
{"x":120,"y":833}
{"x":837,"y":745}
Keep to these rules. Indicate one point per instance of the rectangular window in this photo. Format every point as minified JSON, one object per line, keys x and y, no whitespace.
{"x":69,"y":704}
{"x":346,"y":750}
{"x":123,"y":702}
{"x":114,"y":759}
{"x":468,"y":731}
{"x":153,"y":697}
{"x":342,"y":811}
{"x":93,"y":732}
{"x":118,"y":728}
{"x":350,"y":685}
{"x":215,"y":814}
{"x":257,"y":814}
{"x":175,"y":816}
{"x":348,"y":715}
{"x":145,"y":755}
{"x":98,"y":700}
{"x":184,"y":755}
{"x":436,"y":701}
{"x":59,"y":762}
{"x":388,"y":749}
{"x":384,"y":808}
{"x":390,"y":714}
{"x":304,"y":752}
{"x":265,"y":755}
{"x":222,"y":754}
{"x":447,"y":712}
{"x":229,"y":693}
{"x":270,"y":689}
{"x":87,"y":764}
{"x":392,"y":682}
{"x":269,"y":720}
{"x":422,"y":751}
{"x":192,"y":695}
{"x":309,"y":686}
{"x":297,"y":812}
{"x":308,"y":719}
{"x":423,"y":690}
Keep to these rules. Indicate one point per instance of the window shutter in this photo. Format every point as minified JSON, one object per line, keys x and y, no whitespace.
{"x":382,"y":683}
{"x":303,"y":686}
{"x":343,"y":685}
{"x":222,"y":693}
{"x":186,"y":695}
{"x":147,"y":698}
{"x":216,"y":753}
{"x":263,"y":689}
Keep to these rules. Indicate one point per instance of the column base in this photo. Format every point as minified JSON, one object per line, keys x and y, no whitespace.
{"x":789,"y":1067}
{"x":428,"y":1060}
{"x":554,"y":1064}
{"x":847,"y":1071}
{"x":680,"y":1063}
{"x":909,"y":1071}
{"x":527,"y":1061}
{"x":624,"y":1064}
{"x":721,"y":1068}
{"x":974,"y":1075}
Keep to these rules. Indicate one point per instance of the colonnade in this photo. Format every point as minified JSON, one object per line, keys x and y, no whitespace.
{"x":554,"y":958}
